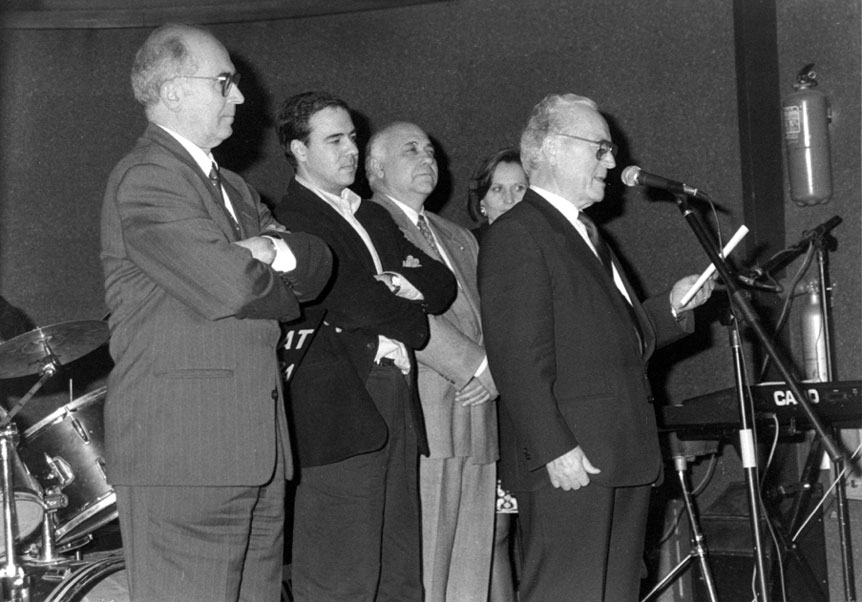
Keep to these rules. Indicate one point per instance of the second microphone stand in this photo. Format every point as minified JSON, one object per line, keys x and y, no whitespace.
{"x":741,"y":304}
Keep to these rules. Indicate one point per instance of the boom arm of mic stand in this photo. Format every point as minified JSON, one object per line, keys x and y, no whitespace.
{"x":739,"y":300}
{"x":782,"y":258}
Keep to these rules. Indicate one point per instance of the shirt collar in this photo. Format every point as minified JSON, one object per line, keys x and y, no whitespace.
{"x":203,"y":159}
{"x":410,"y":212}
{"x":569,"y":211}
{"x":347,"y":202}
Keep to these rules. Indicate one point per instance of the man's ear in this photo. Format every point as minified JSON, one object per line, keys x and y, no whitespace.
{"x":550,"y":147}
{"x":376,"y":166}
{"x":299,"y":150}
{"x":171,"y":94}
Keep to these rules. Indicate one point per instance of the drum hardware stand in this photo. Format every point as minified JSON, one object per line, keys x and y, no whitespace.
{"x":698,"y":542}
{"x":49,"y":369}
{"x":739,"y":302}
{"x":13,"y":583}
{"x":844,"y":539}
{"x":54,"y":500}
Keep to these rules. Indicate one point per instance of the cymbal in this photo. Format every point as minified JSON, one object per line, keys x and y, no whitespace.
{"x":28,"y":353}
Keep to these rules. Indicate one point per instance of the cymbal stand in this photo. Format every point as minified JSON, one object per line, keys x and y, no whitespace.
{"x":12,"y":578}
{"x":746,"y":434}
{"x":698,"y":542}
{"x":49,"y":368}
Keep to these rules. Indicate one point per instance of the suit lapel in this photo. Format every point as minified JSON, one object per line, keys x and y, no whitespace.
{"x":328,"y":214}
{"x":456,"y":251}
{"x":574,"y":242}
{"x":212,"y":201}
{"x":249,"y":225}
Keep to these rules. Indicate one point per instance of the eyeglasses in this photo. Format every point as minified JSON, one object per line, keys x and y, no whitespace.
{"x":226,"y":79}
{"x":605,"y":146}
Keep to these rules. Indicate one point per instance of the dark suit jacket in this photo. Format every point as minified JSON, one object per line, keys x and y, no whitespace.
{"x":333,"y":413}
{"x":194,"y":396}
{"x":564,"y":352}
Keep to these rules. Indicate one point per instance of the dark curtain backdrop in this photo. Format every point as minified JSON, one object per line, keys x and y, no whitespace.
{"x":468,"y":72}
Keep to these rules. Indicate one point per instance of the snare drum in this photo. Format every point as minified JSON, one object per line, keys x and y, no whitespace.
{"x":64,"y":452}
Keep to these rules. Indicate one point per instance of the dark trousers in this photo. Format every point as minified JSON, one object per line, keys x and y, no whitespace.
{"x":204,"y":544}
{"x":356,"y":524}
{"x":584,"y":545}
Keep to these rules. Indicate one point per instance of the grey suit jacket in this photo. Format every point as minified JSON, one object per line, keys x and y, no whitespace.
{"x":454,"y":350}
{"x":195,"y":395}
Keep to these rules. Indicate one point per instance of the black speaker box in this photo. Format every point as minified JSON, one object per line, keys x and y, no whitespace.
{"x":727,"y":529}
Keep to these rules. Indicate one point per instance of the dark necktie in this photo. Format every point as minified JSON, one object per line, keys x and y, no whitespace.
{"x":598,"y":243}
{"x":604,"y":254}
{"x":214,"y":175}
{"x":215,"y":179}
{"x":425,"y":229}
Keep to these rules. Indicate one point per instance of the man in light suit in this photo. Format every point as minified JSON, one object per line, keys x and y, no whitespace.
{"x":358,"y":423}
{"x":457,"y":481}
{"x":568,"y":342}
{"x":197,"y":275}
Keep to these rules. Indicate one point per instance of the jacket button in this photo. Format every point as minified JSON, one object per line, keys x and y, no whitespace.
{"x":274,"y":394}
{"x":526,"y":454}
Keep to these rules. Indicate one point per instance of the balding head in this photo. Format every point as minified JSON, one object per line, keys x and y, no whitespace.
{"x":400,"y":163}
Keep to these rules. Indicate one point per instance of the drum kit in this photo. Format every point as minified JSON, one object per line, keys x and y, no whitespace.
{"x":53,"y":487}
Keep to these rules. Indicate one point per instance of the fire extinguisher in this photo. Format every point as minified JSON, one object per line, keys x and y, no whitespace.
{"x":806,"y":136}
{"x":814,"y":355}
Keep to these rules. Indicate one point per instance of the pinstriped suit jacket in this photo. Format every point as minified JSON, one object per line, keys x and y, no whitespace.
{"x":454,"y":350}
{"x":195,"y":395}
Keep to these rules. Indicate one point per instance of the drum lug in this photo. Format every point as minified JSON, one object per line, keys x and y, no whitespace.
{"x":54,"y":500}
{"x":61,"y":470}
{"x":79,"y":429}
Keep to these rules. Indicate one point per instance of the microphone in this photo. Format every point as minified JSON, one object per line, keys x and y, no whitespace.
{"x":635,"y":176}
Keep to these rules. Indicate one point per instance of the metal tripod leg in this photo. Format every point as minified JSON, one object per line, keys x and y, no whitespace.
{"x":698,"y":542}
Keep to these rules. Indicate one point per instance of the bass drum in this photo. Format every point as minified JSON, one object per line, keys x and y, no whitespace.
{"x":102,"y":580}
{"x":105,"y":580}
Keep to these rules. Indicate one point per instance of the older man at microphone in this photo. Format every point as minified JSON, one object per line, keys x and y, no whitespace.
{"x":570,"y":342}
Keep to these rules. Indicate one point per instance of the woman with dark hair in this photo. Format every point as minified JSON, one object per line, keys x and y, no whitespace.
{"x":496,"y":186}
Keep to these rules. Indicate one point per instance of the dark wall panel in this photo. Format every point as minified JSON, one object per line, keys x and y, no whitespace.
{"x":468,"y":72}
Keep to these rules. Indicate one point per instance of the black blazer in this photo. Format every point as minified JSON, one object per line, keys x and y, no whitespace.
{"x":564,"y":351}
{"x":333,"y":413}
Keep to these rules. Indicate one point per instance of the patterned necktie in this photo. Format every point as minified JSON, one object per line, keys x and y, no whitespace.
{"x":598,"y":242}
{"x":425,"y":229}
{"x":214,"y":176}
{"x":215,"y":179}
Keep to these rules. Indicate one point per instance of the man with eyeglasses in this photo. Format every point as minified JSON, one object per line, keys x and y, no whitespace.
{"x":568,"y":342}
{"x":198,"y":275}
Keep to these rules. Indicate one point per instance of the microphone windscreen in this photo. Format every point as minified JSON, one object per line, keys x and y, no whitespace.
{"x":630,"y":175}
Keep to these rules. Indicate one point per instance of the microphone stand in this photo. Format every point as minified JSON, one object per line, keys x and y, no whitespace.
{"x":749,"y":456}
{"x":819,"y":240}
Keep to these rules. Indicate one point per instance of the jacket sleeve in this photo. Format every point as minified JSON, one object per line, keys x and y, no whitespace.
{"x":170,"y":235}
